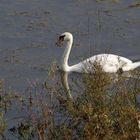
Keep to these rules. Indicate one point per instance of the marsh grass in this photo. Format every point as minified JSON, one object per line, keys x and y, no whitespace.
{"x":105,"y":109}
{"x":3,"y":123}
{"x":7,"y":99}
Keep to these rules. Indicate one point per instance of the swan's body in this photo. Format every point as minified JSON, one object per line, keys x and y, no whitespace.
{"x":109,"y":62}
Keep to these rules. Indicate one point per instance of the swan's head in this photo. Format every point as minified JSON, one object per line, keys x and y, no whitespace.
{"x":64,"y":38}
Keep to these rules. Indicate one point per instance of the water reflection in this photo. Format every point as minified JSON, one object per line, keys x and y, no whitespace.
{"x":127,"y":77}
{"x":65,"y":83}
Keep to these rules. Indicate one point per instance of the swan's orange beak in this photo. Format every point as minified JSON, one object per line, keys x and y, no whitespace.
{"x":60,"y":41}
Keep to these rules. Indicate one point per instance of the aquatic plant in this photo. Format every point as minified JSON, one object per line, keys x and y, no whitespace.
{"x":3,"y":123}
{"x":106,"y":110}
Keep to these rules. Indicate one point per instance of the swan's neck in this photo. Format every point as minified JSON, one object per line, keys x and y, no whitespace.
{"x":68,"y":45}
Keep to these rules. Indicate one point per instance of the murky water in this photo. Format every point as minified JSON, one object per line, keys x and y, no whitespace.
{"x":28,"y":31}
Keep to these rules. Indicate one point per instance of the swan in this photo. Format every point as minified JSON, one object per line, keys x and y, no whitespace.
{"x":109,"y":63}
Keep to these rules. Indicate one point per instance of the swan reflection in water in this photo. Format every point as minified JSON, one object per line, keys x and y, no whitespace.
{"x":65,"y":83}
{"x":66,"y":86}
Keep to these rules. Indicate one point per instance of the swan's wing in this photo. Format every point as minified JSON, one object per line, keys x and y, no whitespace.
{"x":109,"y":62}
{"x":111,"y":58}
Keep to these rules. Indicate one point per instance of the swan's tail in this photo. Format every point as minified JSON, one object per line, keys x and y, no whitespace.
{"x":136,"y":64}
{"x":131,"y":66}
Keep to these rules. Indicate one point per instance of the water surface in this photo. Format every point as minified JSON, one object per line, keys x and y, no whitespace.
{"x":28,"y":31}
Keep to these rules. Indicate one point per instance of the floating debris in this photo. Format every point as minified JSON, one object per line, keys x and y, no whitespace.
{"x":134,"y":5}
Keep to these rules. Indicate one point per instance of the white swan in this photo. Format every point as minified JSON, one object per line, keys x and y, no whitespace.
{"x":109,"y":63}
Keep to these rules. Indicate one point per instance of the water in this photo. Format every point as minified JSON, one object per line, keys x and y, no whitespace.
{"x":28,"y":31}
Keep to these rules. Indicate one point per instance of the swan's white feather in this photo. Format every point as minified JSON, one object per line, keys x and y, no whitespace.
{"x":108,"y":62}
